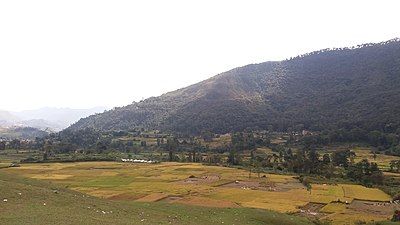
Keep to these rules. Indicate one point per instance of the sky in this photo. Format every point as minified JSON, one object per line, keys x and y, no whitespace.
{"x":83,"y":53}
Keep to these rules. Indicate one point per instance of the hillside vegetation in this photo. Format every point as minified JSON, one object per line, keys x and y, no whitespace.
{"x":329,"y":89}
{"x":21,"y":133}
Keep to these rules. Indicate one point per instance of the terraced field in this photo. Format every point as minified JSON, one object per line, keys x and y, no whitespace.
{"x":382,"y":160}
{"x":209,"y":186}
{"x":40,"y":202}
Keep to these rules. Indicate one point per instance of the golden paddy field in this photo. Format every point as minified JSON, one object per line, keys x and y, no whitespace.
{"x":382,"y":160}
{"x":211,"y":186}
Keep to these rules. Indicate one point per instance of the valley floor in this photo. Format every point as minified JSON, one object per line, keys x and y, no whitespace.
{"x":30,"y":201}
{"x":129,"y":193}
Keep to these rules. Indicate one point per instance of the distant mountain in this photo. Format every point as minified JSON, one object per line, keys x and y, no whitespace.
{"x":21,"y":133}
{"x":54,"y":119}
{"x":59,"y":117}
{"x":327,"y":89}
{"x":40,"y":124}
{"x":6,"y":118}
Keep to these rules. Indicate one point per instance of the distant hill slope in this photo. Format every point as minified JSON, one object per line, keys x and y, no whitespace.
{"x":21,"y":133}
{"x":327,"y":89}
{"x":62,"y":117}
{"x":6,"y":118}
{"x":54,"y":119}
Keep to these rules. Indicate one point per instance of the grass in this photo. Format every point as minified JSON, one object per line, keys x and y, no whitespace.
{"x":351,"y":217}
{"x":32,"y":201}
{"x":12,"y":155}
{"x":363,"y":193}
{"x":4,"y":165}
{"x":223,"y":140}
{"x":138,"y":183}
{"x":328,"y":193}
{"x":334,"y":208}
{"x":382,"y":160}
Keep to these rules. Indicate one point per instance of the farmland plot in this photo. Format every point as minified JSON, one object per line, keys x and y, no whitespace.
{"x":208,"y":186}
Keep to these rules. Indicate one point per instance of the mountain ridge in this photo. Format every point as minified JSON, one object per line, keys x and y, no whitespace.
{"x":46,"y":118}
{"x":327,"y":89}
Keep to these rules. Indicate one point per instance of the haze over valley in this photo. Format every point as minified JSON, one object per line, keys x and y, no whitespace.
{"x":50,"y":119}
{"x":200,"y":112}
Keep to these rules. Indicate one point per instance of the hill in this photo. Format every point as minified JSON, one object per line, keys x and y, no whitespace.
{"x":6,"y":118}
{"x":21,"y":133}
{"x":56,"y":118}
{"x":52,"y":119}
{"x":328,"y":89}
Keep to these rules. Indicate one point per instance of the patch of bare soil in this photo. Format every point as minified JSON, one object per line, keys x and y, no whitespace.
{"x":172,"y":199}
{"x":204,"y":179}
{"x":103,"y":168}
{"x":250,"y":185}
{"x":153,"y":197}
{"x":126,"y":197}
{"x":264,"y":185}
{"x":207,"y":202}
{"x":381,"y":208}
{"x":199,"y":201}
{"x":312,"y":210}
{"x":288,"y":186}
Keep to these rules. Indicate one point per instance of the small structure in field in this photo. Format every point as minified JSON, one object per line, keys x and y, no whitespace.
{"x":14,"y":165}
{"x":138,"y":161}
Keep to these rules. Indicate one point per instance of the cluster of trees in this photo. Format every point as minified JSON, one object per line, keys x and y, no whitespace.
{"x":242,"y":141}
{"x":21,"y":133}
{"x":309,"y":161}
{"x":394,"y":40}
{"x":387,"y":141}
{"x":394,"y":166}
{"x":91,"y":140}
{"x":18,"y":144}
{"x":365,"y":172}
{"x":177,"y":150}
{"x":305,"y":160}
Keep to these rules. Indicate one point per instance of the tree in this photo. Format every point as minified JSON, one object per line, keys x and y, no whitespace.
{"x":15,"y":144}
{"x":103,"y":144}
{"x":257,"y":166}
{"x":233,"y":157}
{"x":171,"y":146}
{"x":326,"y":159}
{"x":313,"y":157}
{"x":374,"y":155}
{"x":341,"y":157}
{"x":48,"y":146}
{"x":396,"y":216}
{"x":158,"y":142}
{"x":375,"y":138}
{"x":365,"y":172}
{"x":394,"y":166}
{"x":207,"y":136}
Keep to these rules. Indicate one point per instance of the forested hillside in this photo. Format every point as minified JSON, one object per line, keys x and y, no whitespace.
{"x":347,"y":88}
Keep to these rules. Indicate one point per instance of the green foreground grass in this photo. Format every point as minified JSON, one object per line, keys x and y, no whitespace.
{"x":32,"y":201}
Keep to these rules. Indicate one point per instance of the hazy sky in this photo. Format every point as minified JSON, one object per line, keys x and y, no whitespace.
{"x":83,"y":53}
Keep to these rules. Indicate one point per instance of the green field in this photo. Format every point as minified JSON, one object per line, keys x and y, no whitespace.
{"x":382,"y":160}
{"x":185,"y":190}
{"x":31,"y":201}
